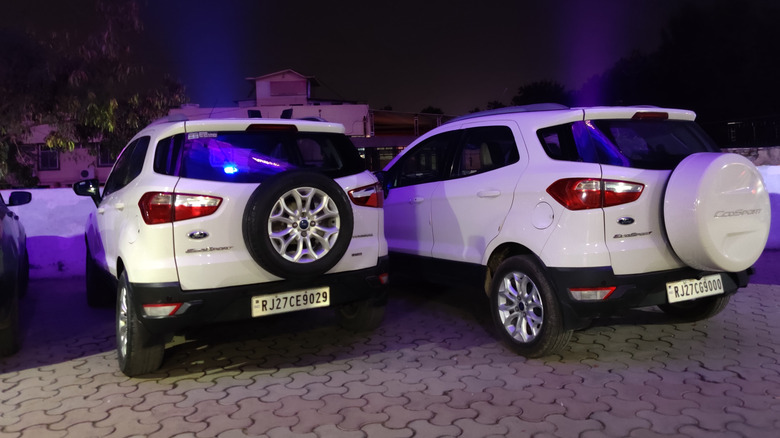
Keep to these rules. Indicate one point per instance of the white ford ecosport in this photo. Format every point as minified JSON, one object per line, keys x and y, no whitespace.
{"x":208,"y":221}
{"x":564,"y":214}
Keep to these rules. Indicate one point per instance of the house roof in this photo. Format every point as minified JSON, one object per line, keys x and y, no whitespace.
{"x":311,"y":79}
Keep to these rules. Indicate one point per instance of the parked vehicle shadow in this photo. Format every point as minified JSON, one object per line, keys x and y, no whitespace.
{"x":57,"y":325}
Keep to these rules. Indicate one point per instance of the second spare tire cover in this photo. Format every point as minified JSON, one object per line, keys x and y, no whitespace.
{"x":717,"y":212}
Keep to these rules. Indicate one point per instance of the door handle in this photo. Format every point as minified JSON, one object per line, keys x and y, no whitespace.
{"x":119,"y":206}
{"x":101,"y":210}
{"x":488,"y":193}
{"x":416,"y":200}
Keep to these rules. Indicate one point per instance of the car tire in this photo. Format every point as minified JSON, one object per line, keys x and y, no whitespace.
{"x":137,"y":351}
{"x":360,"y":316}
{"x":97,"y":285}
{"x":9,"y":327}
{"x":696,"y":310}
{"x":525,"y":310}
{"x":298,"y":224}
{"x":716,"y":212}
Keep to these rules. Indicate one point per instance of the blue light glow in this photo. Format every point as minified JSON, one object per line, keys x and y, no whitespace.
{"x":230,"y":169}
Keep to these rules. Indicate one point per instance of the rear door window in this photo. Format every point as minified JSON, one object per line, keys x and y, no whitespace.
{"x":484,"y":149}
{"x":642,"y":144}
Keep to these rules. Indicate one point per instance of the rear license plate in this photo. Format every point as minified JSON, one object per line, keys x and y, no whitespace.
{"x":263,"y":305}
{"x":684,"y":290}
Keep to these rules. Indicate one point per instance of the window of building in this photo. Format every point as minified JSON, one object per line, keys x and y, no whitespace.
{"x":104,"y":156}
{"x":288,"y":88}
{"x":48,"y":159}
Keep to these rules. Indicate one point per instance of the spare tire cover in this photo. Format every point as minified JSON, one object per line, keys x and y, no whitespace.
{"x":298,"y":224}
{"x":717,"y":212}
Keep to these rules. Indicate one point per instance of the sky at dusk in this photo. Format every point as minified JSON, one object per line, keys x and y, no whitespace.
{"x":405,"y":54}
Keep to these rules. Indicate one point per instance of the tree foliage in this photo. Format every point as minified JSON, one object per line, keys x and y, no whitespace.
{"x":719,"y":59}
{"x":542,"y":92}
{"x":431,"y":110}
{"x":85,"y":90}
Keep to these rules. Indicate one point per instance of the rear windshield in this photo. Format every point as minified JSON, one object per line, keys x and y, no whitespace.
{"x":254,"y":155}
{"x":643,"y":144}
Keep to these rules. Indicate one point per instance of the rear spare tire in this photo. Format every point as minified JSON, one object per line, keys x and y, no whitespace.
{"x":298,"y":224}
{"x":717,"y":212}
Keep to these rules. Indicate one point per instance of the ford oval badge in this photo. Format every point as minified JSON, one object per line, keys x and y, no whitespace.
{"x":626,"y":221}
{"x":198,"y":235}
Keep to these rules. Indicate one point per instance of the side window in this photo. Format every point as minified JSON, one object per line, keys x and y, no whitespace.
{"x":558,"y":142}
{"x":167,"y":155}
{"x":427,"y":162}
{"x":128,"y":165}
{"x":484,"y":149}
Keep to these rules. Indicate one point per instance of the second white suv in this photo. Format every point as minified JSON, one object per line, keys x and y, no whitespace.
{"x":564,"y":214}
{"x":208,"y":221}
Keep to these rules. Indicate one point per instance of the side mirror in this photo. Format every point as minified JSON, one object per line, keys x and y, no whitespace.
{"x":19,"y":198}
{"x":88,"y":187}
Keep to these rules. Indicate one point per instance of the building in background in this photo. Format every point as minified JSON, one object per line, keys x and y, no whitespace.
{"x":378,"y":134}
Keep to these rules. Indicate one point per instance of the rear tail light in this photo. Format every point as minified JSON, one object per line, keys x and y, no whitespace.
{"x":587,"y":193}
{"x":650,"y":115}
{"x":163,"y":207}
{"x":368,"y":196}
{"x":271,"y":127}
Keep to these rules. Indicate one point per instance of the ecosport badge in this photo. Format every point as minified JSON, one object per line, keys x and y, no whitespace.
{"x":209,"y":249}
{"x":737,"y":213}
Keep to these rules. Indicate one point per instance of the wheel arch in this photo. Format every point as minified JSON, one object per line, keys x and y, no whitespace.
{"x":498,"y":255}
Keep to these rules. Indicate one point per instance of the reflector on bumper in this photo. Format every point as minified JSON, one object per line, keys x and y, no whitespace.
{"x":591,"y":294}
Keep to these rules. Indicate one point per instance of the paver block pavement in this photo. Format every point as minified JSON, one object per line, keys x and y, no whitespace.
{"x":434,"y":369}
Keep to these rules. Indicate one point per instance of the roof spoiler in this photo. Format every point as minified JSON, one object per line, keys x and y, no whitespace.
{"x":513,"y":110}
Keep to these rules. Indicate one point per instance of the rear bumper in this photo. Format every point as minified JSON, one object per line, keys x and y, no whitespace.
{"x":633,"y":291}
{"x":234,"y":303}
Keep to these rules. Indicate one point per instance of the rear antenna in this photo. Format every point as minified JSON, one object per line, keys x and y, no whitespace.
{"x":213,"y":107}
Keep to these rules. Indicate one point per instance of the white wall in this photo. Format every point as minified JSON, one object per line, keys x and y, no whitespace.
{"x":54,"y":221}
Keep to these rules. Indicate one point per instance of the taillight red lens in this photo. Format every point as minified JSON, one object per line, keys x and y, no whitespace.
{"x":587,"y":193}
{"x":368,"y":196}
{"x":190,"y":206}
{"x":163,"y":207}
{"x":621,"y":192}
{"x":156,"y":208}
{"x":577,"y":193}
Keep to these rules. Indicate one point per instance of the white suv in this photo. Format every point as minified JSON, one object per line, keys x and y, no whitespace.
{"x":565,"y":214}
{"x":208,"y":221}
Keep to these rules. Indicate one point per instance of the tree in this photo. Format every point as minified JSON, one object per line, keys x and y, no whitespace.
{"x":542,"y":92}
{"x":431,"y":110}
{"x":24,"y":80}
{"x":495,"y":104}
{"x":718,"y":59}
{"x":86,"y":91}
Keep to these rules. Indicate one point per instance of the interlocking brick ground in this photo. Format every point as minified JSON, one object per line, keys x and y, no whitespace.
{"x":433,"y":369}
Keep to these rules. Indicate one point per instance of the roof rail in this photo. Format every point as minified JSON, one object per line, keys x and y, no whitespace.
{"x":512,"y":110}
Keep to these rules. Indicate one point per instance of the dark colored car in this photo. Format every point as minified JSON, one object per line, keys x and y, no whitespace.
{"x":14,"y":271}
